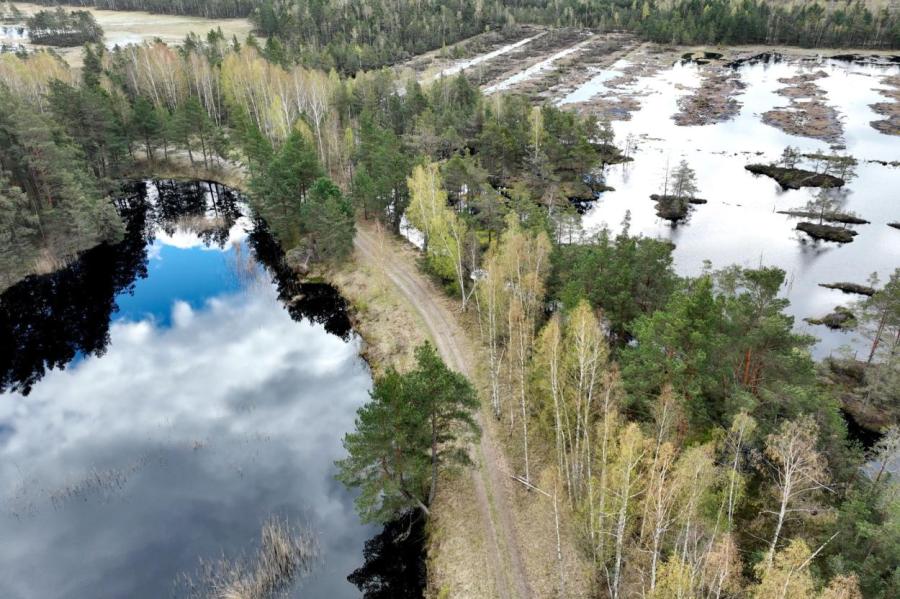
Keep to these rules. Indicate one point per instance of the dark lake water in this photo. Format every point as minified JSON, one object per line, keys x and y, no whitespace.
{"x":161,"y":398}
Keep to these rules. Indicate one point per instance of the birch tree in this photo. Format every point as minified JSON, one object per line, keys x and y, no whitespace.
{"x":491,"y":298}
{"x":525,"y":261}
{"x":626,"y":486}
{"x":799,"y":473}
{"x":742,"y":428}
{"x":29,"y":78}
{"x":446,"y":234}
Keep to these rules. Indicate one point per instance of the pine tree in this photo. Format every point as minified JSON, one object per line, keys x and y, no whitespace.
{"x":328,"y":221}
{"x":145,"y":124}
{"x":416,"y":424}
{"x":19,"y":232}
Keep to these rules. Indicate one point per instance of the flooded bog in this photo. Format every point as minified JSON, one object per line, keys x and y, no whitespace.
{"x":740,"y":223}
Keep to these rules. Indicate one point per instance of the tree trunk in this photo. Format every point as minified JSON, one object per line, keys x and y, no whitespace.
{"x":434,"y":461}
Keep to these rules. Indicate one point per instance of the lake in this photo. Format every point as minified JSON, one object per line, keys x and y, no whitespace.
{"x":160,"y":399}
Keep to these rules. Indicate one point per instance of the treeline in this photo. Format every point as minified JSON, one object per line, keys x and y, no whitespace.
{"x":810,"y":24}
{"x":356,"y":35}
{"x":65,"y":146}
{"x":62,"y":28}
{"x":150,"y":103}
{"x":51,"y":205}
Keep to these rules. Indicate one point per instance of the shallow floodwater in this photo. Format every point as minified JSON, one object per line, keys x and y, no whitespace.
{"x":161,"y":398}
{"x":463,"y":65}
{"x":740,"y":225}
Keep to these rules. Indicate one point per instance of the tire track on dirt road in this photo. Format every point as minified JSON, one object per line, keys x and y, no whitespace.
{"x":506,"y":561}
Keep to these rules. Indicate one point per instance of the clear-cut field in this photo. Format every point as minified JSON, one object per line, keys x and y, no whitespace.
{"x":131,"y":27}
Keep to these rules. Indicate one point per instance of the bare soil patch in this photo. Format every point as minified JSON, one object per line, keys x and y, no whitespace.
{"x":807,"y":115}
{"x":890,"y":124}
{"x":430,"y":64}
{"x":597,"y":52}
{"x":619,"y":97}
{"x":714,"y":101}
{"x":510,"y":64}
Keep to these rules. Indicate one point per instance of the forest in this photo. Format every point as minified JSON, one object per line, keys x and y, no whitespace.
{"x":361,"y":35}
{"x":62,"y":28}
{"x":697,"y":446}
{"x":352,"y":36}
{"x":54,"y":177}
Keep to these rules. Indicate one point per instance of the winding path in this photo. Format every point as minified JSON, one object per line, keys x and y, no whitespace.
{"x":506,"y":563}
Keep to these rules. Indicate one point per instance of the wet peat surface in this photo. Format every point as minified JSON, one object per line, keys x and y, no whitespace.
{"x":742,"y":222}
{"x":161,"y":398}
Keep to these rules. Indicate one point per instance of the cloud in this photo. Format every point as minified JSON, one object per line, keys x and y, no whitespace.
{"x":184,"y":238}
{"x":175,"y":445}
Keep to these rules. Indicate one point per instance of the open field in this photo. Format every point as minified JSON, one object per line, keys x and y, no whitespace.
{"x":134,"y":27}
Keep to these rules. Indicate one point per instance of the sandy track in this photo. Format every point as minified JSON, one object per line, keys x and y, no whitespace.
{"x":506,"y":563}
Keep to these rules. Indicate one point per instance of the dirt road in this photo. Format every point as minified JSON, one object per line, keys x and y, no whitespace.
{"x":502,"y":547}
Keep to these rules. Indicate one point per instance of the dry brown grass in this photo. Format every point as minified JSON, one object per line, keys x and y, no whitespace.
{"x":890,"y":124}
{"x":48,"y":261}
{"x":178,"y":166}
{"x":387,"y":323}
{"x":285,"y":554}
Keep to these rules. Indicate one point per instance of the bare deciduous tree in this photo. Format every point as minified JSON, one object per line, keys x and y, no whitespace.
{"x":799,"y":473}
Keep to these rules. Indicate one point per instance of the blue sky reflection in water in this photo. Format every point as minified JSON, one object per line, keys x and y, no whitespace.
{"x":210,"y":410}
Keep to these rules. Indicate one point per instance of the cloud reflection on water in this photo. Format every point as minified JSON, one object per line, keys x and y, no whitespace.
{"x":122,"y":470}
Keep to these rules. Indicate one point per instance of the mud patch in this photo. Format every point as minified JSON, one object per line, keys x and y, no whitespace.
{"x":546,"y":68}
{"x":510,"y":64}
{"x":613,"y":95}
{"x":467,"y":55}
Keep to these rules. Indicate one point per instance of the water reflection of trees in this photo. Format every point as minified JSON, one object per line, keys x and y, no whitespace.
{"x":394,"y":561}
{"x":46,"y":321}
{"x":206,"y":209}
{"x":319,"y":302}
